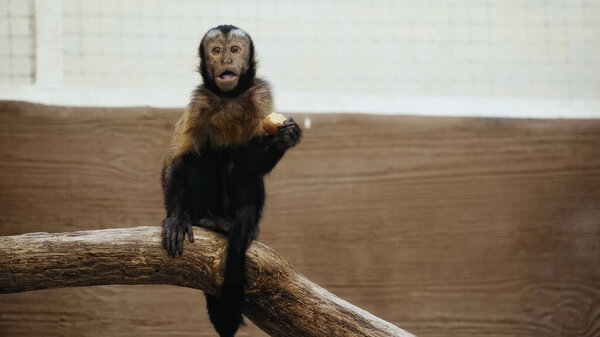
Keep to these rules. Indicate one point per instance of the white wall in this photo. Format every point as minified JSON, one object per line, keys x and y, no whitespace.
{"x":525,"y":58}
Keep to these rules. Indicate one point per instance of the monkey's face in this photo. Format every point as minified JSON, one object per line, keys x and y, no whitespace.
{"x":227,"y":58}
{"x":227,"y":62}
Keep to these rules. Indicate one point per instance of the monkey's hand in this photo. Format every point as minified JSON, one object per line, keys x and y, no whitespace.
{"x":289,"y":134}
{"x":173,"y":233}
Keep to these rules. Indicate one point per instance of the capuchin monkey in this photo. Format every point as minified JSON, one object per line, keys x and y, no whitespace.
{"x":213,"y":174}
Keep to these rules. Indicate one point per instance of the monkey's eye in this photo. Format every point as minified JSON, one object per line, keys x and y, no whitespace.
{"x":216,"y":50}
{"x":235,"y":49}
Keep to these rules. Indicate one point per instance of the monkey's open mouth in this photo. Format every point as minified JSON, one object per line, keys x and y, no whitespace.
{"x":227,"y":75}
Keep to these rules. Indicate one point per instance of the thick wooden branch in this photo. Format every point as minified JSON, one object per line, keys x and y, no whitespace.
{"x":279,"y":300}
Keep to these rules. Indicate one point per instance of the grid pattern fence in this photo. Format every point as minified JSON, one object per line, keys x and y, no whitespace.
{"x":545,"y":49}
{"x":17,"y":42}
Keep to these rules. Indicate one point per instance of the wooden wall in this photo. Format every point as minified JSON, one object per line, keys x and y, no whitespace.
{"x":443,"y":226}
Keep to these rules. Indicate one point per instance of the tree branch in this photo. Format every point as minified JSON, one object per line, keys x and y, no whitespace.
{"x":279,"y":300}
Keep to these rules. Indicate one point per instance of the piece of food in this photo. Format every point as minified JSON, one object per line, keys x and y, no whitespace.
{"x":271,"y":123}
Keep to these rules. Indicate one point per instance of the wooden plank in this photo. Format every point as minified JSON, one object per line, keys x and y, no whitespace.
{"x":467,"y":226}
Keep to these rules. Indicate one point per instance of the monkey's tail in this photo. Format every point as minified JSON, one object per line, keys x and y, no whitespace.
{"x":225,"y":312}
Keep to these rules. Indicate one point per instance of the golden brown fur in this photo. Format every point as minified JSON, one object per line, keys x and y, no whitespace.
{"x":222,"y":121}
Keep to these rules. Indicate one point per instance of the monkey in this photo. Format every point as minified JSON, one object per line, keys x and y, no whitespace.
{"x":212,"y":176}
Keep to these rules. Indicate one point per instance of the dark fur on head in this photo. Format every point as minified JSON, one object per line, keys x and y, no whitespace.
{"x":246,"y":78}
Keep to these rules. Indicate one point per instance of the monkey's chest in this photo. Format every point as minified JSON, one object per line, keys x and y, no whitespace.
{"x":233,"y":130}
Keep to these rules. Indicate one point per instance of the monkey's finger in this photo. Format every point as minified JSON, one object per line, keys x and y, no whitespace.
{"x":173,"y":243}
{"x":285,"y":130}
{"x":180,"y":237}
{"x":292,"y":129}
{"x":293,"y":133}
{"x":284,"y":127}
{"x":165,"y":237}
{"x":170,"y":243}
{"x":297,"y":132}
{"x":190,"y":232}
{"x":286,"y":123}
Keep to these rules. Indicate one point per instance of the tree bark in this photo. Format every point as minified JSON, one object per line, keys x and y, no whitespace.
{"x":279,"y":300}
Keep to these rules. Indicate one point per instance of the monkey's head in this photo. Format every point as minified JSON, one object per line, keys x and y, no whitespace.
{"x":227,"y":63}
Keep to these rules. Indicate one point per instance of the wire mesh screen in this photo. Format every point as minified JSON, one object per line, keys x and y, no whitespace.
{"x":130,"y":43}
{"x":515,"y":48}
{"x":17,"y":58}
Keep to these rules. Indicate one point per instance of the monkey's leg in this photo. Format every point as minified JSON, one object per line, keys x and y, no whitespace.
{"x":215,"y":224}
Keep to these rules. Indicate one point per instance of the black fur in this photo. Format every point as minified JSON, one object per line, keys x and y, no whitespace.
{"x":221,"y":188}
{"x":222,"y":184}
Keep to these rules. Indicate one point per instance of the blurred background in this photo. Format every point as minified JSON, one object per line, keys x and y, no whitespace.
{"x":425,"y":57}
{"x":448,"y":180}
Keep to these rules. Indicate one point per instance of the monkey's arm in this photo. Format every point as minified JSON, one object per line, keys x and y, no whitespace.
{"x":178,"y":221}
{"x":262,"y":154}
